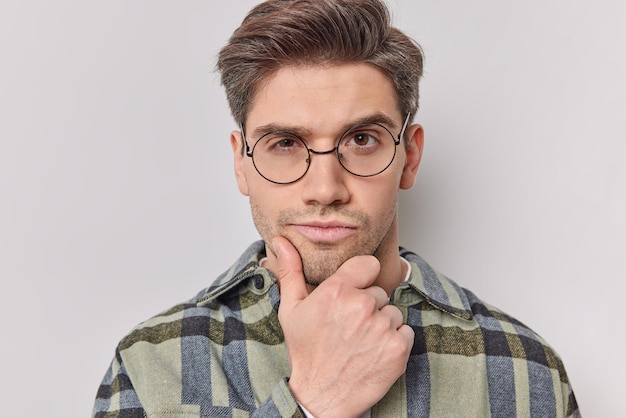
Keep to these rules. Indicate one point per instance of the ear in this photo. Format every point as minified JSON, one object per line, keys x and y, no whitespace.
{"x":236,"y":143}
{"x":414,"y":149}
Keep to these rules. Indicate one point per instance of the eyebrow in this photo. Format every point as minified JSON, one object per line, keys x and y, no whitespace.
{"x":302,"y":132}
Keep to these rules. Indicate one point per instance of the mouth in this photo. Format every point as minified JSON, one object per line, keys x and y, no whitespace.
{"x":324,"y":232}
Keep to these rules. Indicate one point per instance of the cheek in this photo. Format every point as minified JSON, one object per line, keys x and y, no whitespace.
{"x":377,"y":196}
{"x":385,"y":184}
{"x":266,"y":199}
{"x":262,"y":218}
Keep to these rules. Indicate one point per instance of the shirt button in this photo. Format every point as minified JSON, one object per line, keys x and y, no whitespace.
{"x":259,"y":282}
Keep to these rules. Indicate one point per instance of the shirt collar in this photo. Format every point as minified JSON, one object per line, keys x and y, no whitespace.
{"x":244,"y":268}
{"x":438,"y":290}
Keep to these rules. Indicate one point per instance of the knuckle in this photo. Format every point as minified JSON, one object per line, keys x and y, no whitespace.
{"x":399,"y":345}
{"x":367,"y":303}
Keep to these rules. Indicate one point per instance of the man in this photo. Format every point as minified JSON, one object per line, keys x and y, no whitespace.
{"x":325,"y":317}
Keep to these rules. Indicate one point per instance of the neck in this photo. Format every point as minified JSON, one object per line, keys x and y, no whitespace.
{"x":392,"y":272}
{"x":392,"y":269}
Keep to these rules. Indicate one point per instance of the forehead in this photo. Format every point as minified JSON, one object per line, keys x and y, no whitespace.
{"x":323,"y":97}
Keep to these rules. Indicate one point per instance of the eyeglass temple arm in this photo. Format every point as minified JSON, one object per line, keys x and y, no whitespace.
{"x":245,"y":141}
{"x":406,"y":122}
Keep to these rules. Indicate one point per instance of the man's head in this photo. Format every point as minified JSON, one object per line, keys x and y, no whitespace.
{"x":307,"y":73}
{"x":280,"y":33}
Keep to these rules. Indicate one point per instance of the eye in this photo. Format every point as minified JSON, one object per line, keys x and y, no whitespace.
{"x":284,"y":143}
{"x":361,"y":139}
{"x":280,"y":143}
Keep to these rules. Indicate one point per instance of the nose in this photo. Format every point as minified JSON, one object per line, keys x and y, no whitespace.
{"x":324,"y":182}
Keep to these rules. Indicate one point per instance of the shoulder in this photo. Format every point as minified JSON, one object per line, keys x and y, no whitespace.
{"x":227,"y":293}
{"x":453,"y":313}
{"x":456,"y":331}
{"x":506,"y":336}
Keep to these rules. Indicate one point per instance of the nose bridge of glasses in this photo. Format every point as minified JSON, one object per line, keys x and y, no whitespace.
{"x":312,"y":151}
{"x":332,"y":165}
{"x":333,"y":151}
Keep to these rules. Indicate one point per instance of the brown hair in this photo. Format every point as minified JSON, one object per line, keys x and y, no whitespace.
{"x":279,"y":33}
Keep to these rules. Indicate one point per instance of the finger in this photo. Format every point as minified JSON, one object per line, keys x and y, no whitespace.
{"x":394,"y":315}
{"x":379,"y":295}
{"x":360,"y":271}
{"x":408,"y":334}
{"x":290,"y":277}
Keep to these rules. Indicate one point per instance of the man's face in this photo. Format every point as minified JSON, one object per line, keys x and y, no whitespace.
{"x":329,"y":215}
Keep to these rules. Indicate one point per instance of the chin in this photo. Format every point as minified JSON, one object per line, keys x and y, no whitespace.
{"x":320,"y":265}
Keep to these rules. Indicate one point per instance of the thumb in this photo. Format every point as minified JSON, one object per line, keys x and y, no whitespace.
{"x":290,"y":276}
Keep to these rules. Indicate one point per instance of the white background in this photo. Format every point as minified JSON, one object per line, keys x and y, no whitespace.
{"x":117,"y":198}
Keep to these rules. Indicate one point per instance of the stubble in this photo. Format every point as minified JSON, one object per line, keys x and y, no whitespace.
{"x":321,"y":260}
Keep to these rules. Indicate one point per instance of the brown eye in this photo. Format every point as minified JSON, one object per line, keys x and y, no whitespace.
{"x":362,"y":139}
{"x":285,"y":143}
{"x":281,"y":144}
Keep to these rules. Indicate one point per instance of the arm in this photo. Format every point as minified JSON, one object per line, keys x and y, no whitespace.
{"x":116,"y":395}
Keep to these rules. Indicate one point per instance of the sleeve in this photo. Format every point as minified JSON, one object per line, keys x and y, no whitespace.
{"x":281,"y":403}
{"x":306,"y":412}
{"x":116,"y":396}
{"x":567,"y":402}
{"x":570,"y":401}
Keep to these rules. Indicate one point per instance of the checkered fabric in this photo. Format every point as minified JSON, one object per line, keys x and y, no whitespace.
{"x":222,"y":353}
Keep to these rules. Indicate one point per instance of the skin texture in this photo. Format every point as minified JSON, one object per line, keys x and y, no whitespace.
{"x":332,"y":237}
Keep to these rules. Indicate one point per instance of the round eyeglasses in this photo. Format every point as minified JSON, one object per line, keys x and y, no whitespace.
{"x":364,"y":150}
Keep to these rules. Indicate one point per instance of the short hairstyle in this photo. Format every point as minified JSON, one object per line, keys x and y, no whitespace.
{"x":280,"y":33}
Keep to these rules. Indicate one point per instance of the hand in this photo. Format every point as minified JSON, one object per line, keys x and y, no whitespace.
{"x":346,"y":345}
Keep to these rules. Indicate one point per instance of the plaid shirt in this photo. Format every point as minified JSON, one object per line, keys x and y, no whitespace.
{"x":223,"y":354}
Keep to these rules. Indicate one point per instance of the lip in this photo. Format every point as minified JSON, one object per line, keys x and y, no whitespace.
{"x":324,"y":232}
